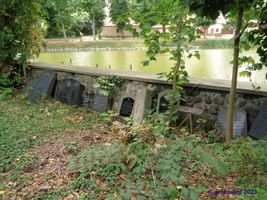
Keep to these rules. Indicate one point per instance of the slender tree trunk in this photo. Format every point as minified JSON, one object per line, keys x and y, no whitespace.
{"x":93,"y":28}
{"x":24,"y":70}
{"x":177,"y":65}
{"x":1,"y":67}
{"x":205,"y":29}
{"x":122,"y":33}
{"x":164,"y":28}
{"x":231,"y":104}
{"x":63,"y":30}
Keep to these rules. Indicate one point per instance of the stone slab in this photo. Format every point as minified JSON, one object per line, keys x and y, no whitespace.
{"x":69,"y":91}
{"x":43,"y":85}
{"x":28,"y":86}
{"x":259,"y":127}
{"x":240,"y":122}
{"x":101,"y":103}
{"x":142,"y":96}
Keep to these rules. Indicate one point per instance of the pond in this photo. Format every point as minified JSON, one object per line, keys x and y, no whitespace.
{"x":213,"y":63}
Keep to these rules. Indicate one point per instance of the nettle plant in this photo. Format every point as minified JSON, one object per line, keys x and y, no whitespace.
{"x":108,"y":85}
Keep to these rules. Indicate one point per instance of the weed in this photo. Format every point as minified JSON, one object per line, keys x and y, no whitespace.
{"x":141,"y":169}
{"x":72,"y":147}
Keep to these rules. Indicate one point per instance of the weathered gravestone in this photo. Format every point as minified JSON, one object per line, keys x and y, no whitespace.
{"x":164,"y":101}
{"x":69,"y":91}
{"x":101,"y":102}
{"x":43,"y":85}
{"x":28,"y":86}
{"x":240,"y":122}
{"x":87,"y":99}
{"x":127,"y":107}
{"x":259,"y":127}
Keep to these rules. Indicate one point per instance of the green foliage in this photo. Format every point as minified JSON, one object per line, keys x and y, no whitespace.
{"x":152,"y":164}
{"x":249,"y":159}
{"x":21,"y":32}
{"x":119,"y":9}
{"x":9,"y":81}
{"x":142,"y":168}
{"x":174,"y":16}
{"x":108,"y":85}
{"x":95,"y":9}
{"x":72,"y":147}
{"x":24,"y":127}
{"x":59,"y":14}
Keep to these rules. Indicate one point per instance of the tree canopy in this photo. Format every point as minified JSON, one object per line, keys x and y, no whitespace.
{"x":119,"y":10}
{"x":21,"y":31}
{"x":95,"y":9}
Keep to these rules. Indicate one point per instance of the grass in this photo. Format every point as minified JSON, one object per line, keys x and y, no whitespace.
{"x":50,"y":150}
{"x":130,"y":43}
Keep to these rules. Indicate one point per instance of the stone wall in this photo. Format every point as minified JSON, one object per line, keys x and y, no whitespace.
{"x":211,"y":101}
{"x":208,"y":100}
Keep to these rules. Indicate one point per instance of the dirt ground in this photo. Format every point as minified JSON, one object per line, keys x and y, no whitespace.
{"x":50,"y":171}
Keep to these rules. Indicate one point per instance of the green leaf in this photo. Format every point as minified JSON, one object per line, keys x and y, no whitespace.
{"x":110,"y":197}
{"x":145,"y":63}
{"x":193,"y":195}
{"x":201,"y":189}
{"x":139,"y":197}
{"x":127,"y":195}
{"x":185,"y":192}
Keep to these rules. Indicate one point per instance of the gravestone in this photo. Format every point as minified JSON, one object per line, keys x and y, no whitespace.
{"x":239,"y":125}
{"x":87,"y":99}
{"x":127,"y":107}
{"x":69,"y":91}
{"x":259,"y":127}
{"x":28,"y":86}
{"x":164,"y":101}
{"x":101,"y":102}
{"x":43,"y":85}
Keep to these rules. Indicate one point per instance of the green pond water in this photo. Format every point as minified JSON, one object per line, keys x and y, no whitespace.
{"x":213,"y":63}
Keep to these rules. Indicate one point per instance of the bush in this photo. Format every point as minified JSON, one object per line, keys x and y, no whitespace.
{"x":9,"y":81}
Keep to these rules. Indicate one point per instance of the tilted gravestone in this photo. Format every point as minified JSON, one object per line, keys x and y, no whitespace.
{"x":240,"y":122}
{"x":259,"y":127}
{"x":101,"y":102}
{"x":43,"y":85}
{"x":69,"y":91}
{"x":127,"y":107}
{"x":28,"y":86}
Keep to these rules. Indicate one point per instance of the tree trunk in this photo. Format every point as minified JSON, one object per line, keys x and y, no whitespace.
{"x":164,"y":28}
{"x":122,"y":33}
{"x":177,"y":66}
{"x":1,"y":67}
{"x":63,"y":30}
{"x":205,"y":29}
{"x":231,"y":104}
{"x":93,"y":28}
